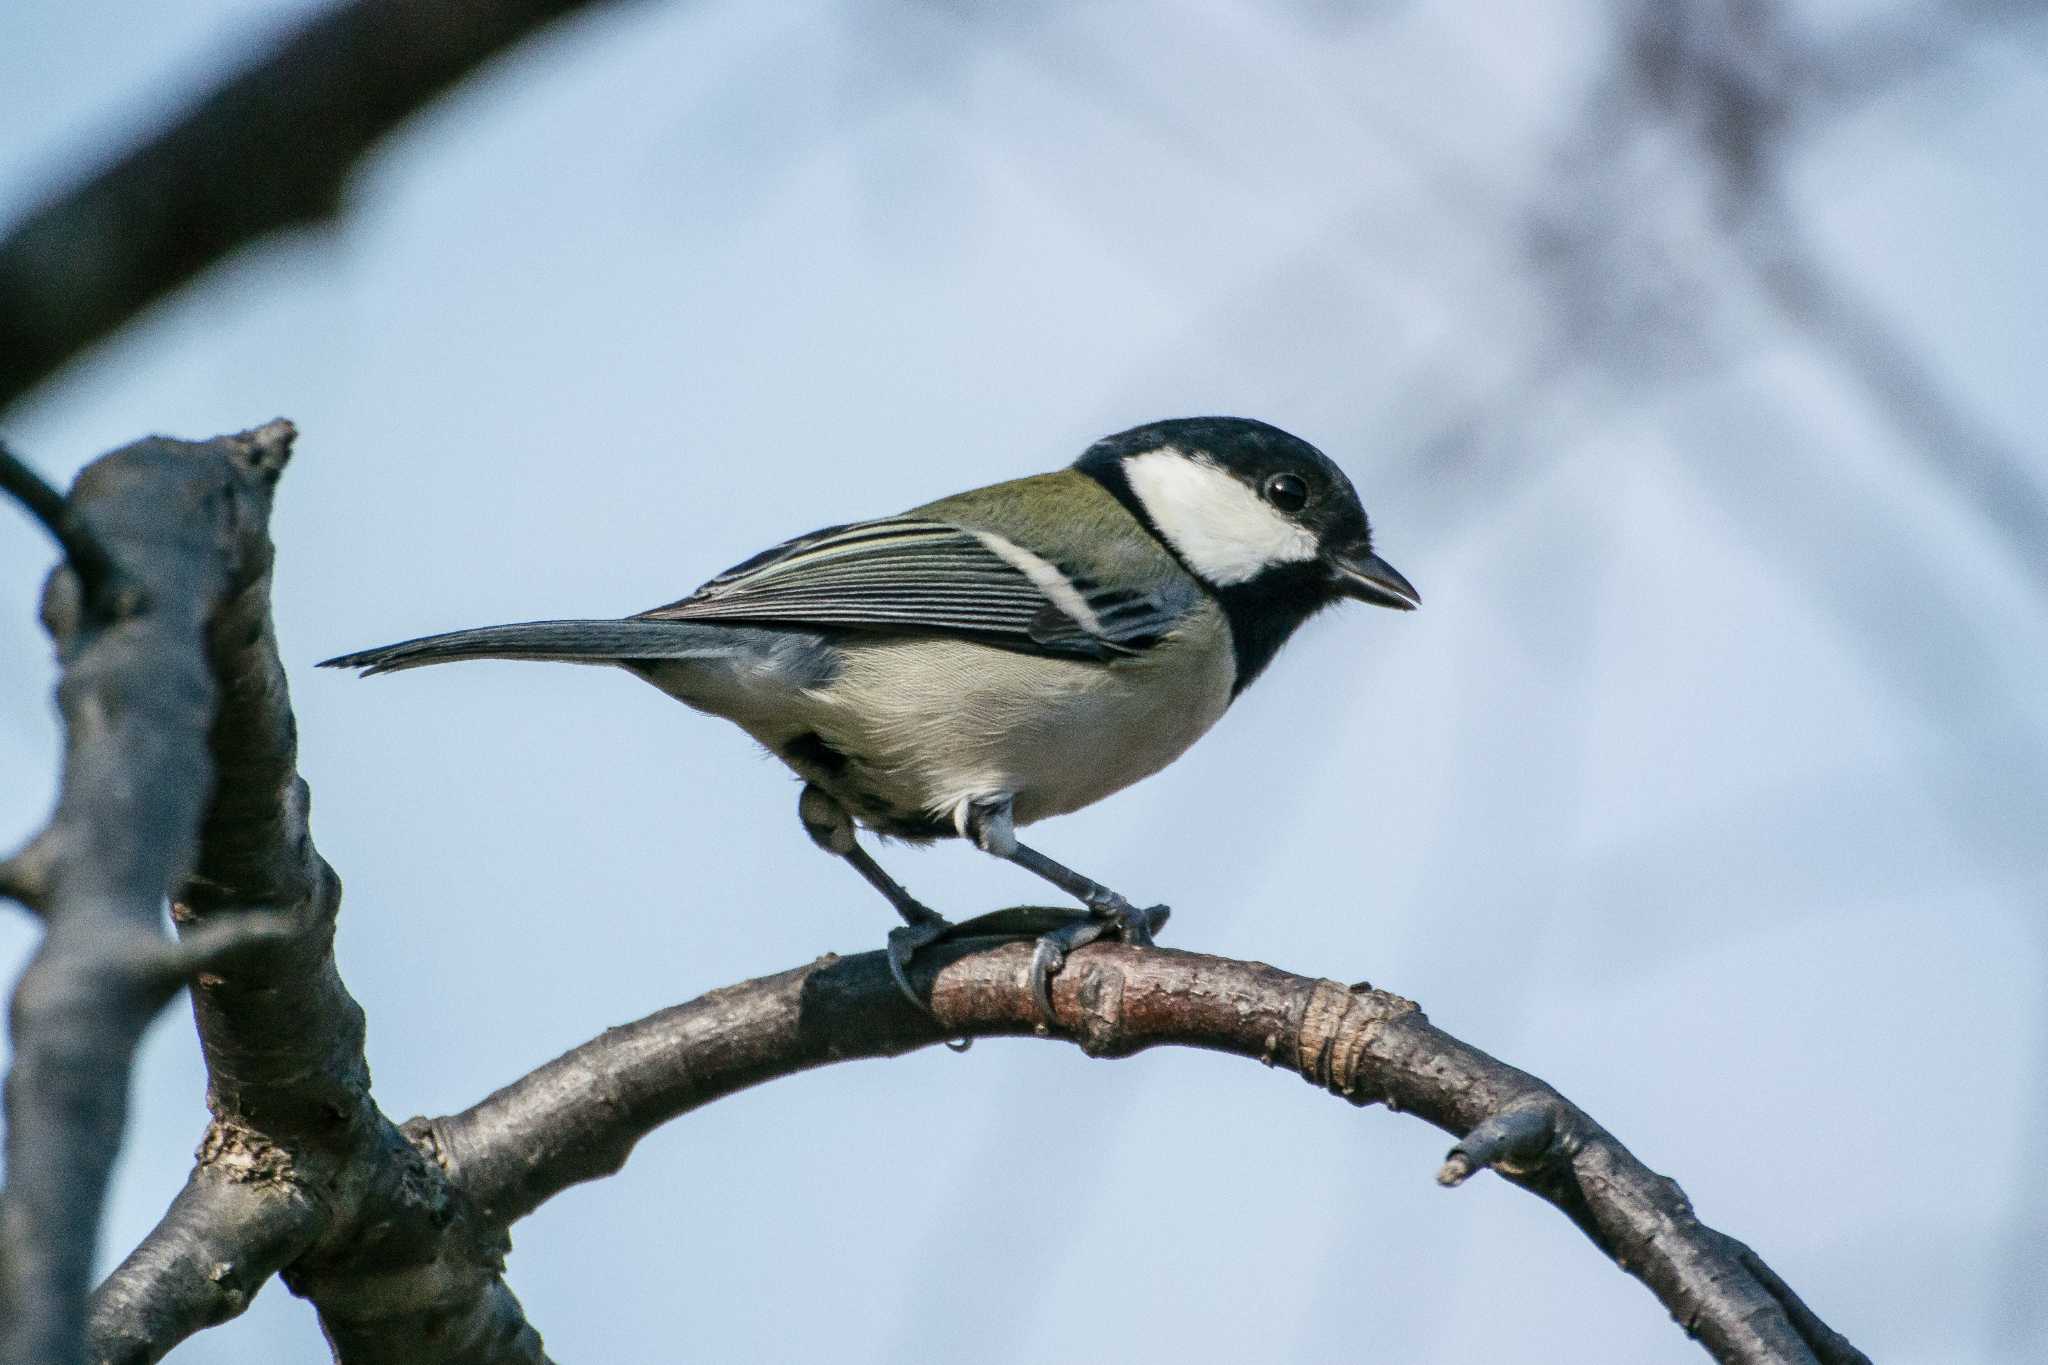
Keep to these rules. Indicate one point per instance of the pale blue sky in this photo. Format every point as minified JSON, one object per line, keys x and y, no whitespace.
{"x":1708,"y":784}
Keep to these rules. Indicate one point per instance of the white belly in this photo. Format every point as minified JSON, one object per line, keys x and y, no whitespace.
{"x":927,"y":724}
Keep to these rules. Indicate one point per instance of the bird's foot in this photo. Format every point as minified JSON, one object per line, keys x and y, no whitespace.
{"x":1056,"y":933}
{"x":1116,"y":916}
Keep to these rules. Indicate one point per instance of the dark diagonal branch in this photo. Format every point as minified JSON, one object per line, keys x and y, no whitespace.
{"x":138,"y":698}
{"x":270,"y":149}
{"x":579,"y":1116}
{"x":106,"y":590}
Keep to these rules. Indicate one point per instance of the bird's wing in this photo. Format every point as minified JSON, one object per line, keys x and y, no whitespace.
{"x":913,"y":576}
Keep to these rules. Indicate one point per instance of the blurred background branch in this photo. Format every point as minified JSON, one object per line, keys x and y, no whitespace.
{"x":271,"y":149}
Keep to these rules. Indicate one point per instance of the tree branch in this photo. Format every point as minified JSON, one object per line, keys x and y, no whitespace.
{"x":578,"y":1117}
{"x":300,"y":1173}
{"x":270,"y":149}
{"x":226,"y":1234}
{"x":180,"y":777}
{"x":137,"y":699}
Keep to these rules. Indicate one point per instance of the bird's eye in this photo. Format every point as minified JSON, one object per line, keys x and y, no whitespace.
{"x":1287,"y":492}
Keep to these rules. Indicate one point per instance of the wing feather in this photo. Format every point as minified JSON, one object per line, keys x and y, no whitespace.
{"x":911,"y":576}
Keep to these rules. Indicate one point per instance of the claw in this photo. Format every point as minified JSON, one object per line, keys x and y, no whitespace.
{"x":1051,"y":954}
{"x":904,"y":941}
{"x":1047,"y":958}
{"x":1130,"y":925}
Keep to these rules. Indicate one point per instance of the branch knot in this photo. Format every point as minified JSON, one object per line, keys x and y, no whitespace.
{"x":244,"y":1155}
{"x":1518,"y":1140}
{"x":1338,"y":1027}
{"x":1100,"y":1029}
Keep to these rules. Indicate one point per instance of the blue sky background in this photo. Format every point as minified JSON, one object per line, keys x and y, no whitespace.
{"x":1708,"y":784}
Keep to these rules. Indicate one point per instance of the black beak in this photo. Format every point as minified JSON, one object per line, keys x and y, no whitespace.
{"x":1368,"y":578}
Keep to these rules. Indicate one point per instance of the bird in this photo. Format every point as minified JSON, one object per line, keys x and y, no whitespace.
{"x":999,"y":656}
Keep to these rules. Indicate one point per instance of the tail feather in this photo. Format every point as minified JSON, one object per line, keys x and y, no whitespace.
{"x":591,"y":642}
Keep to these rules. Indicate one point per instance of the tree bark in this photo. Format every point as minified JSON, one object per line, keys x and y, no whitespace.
{"x":137,"y":697}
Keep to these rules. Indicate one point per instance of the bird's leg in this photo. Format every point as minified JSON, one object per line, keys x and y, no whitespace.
{"x":830,"y":826}
{"x":992,"y":825}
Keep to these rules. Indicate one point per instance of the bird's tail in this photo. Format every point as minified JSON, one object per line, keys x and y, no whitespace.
{"x":589,"y":642}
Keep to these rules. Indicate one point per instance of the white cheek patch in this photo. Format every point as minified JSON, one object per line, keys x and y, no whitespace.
{"x":1226,"y":532}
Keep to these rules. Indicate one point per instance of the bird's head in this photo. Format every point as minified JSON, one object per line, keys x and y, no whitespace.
{"x":1250,"y":509}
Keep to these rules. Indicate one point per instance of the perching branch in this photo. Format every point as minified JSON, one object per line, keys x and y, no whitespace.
{"x":270,"y":149}
{"x":579,"y":1116}
{"x":138,"y":698}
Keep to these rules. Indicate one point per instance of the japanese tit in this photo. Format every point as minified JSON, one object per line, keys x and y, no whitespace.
{"x":1002,"y":655}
